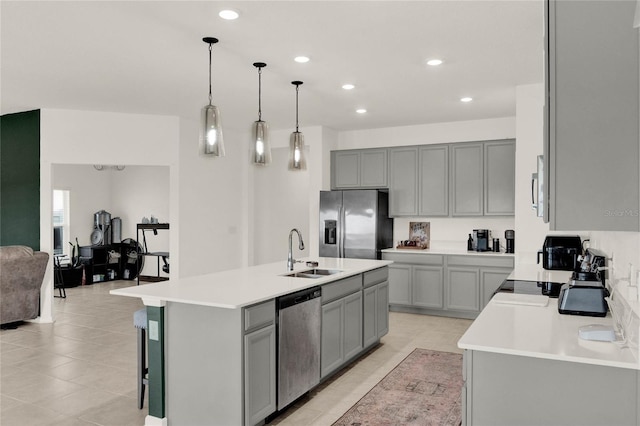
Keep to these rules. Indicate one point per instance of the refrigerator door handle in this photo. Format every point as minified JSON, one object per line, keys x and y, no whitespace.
{"x":341,"y":220}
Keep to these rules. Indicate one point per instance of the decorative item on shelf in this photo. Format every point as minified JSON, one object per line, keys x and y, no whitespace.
{"x":261,"y":146}
{"x":211,"y":129}
{"x":297,"y":159}
{"x":419,"y":235}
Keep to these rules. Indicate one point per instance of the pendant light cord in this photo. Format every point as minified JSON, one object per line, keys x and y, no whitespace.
{"x":297,"y":90}
{"x":210,"y":49}
{"x":259,"y":93}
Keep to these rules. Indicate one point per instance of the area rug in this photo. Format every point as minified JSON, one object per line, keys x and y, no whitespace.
{"x":424,"y":389}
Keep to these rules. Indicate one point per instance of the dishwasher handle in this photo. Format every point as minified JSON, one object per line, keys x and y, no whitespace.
{"x":298,"y":297}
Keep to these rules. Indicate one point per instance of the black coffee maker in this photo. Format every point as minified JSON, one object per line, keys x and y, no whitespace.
{"x":510,"y":236}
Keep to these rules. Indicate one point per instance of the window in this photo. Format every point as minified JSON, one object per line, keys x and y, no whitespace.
{"x":61,"y":222}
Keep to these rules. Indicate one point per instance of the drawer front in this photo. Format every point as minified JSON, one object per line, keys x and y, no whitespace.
{"x":415,"y":259}
{"x":481,"y":261}
{"x":338,"y":289}
{"x":376,"y":276}
{"x":259,"y":315}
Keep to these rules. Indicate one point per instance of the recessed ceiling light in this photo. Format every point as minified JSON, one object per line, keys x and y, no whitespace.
{"x":348,"y":86}
{"x":434,"y":62}
{"x":361,"y":110}
{"x":229,"y":14}
{"x":301,"y":59}
{"x":466,"y":99}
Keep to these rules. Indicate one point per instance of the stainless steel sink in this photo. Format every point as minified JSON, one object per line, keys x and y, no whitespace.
{"x":313,"y":273}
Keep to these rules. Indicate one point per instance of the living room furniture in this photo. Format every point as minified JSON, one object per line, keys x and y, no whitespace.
{"x":58,"y":278}
{"x":20,"y":281}
{"x":164,"y":255}
{"x":102,"y":262}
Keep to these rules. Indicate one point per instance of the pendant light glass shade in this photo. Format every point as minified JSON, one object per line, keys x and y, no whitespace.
{"x":297,"y":160}
{"x":261,"y":148}
{"x":212,"y":141}
{"x":211,"y":138}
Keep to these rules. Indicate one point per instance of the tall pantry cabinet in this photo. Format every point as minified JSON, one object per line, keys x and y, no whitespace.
{"x":592,"y":115}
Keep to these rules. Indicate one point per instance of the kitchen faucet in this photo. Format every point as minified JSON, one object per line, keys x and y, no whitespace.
{"x":290,"y":260}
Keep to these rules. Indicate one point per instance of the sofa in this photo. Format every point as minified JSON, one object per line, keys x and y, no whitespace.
{"x":21,"y":274}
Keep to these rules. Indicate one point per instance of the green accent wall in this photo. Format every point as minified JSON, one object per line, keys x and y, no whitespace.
{"x":20,"y":179}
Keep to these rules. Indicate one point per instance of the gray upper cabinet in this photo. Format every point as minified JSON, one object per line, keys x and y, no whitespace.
{"x":592,"y":149}
{"x":434,"y":180}
{"x":403,"y":181}
{"x":467,"y":167}
{"x":499,"y":178}
{"x":362,"y":168}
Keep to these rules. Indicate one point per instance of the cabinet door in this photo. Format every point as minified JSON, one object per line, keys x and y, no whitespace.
{"x":593,"y":116}
{"x":352,"y":325}
{"x":400,"y":284}
{"x":403,"y":182}
{"x":499,"y":178}
{"x":428,"y":285}
{"x":373,"y":168}
{"x":345,"y":169}
{"x":332,"y":336}
{"x":259,"y":374}
{"x":467,"y":179}
{"x":491,"y":280}
{"x":434,"y":181}
{"x":369,"y":303}
{"x":463,"y":289}
{"x":382,"y":302}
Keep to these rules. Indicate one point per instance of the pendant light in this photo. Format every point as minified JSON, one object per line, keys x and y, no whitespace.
{"x":297,"y":159}
{"x":211,"y":130}
{"x":261,"y":148}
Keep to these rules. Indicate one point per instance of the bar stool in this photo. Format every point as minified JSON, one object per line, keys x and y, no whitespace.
{"x":140,"y":323}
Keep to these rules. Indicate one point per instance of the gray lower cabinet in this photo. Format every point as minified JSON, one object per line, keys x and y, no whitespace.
{"x":376,"y":312}
{"x":341,"y":332}
{"x":450,"y":285}
{"x":502,"y":389}
{"x":260,"y":374}
{"x":361,"y":168}
{"x":259,"y":362}
{"x":463,"y":289}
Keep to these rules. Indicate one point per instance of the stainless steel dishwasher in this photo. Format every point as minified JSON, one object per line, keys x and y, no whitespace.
{"x":298,"y":344}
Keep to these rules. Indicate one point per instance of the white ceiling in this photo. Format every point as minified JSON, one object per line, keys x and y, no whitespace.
{"x":148,"y":57}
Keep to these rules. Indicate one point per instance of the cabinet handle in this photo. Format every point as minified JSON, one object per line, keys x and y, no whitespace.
{"x":534,"y":178}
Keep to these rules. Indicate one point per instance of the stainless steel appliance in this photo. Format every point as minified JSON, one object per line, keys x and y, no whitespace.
{"x":298,"y":344}
{"x":560,"y":252}
{"x":355,"y":223}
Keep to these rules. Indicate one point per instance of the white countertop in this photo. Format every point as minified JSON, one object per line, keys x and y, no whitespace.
{"x":447,"y":250}
{"x":540,"y":331}
{"x":246,"y":286}
{"x":536,"y":273}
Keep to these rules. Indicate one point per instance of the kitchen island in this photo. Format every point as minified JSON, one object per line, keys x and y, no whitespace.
{"x":212,"y":338}
{"x":524,"y":364}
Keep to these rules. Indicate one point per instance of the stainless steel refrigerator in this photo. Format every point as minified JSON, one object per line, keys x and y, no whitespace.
{"x":355,"y":223}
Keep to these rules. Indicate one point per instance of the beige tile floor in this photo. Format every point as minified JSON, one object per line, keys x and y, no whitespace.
{"x":81,"y":370}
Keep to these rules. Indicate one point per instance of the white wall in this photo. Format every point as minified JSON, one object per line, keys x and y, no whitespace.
{"x":212,"y":195}
{"x":89,"y":137}
{"x":444,"y":231}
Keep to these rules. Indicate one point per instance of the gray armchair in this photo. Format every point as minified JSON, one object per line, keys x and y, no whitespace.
{"x":21,"y":273}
